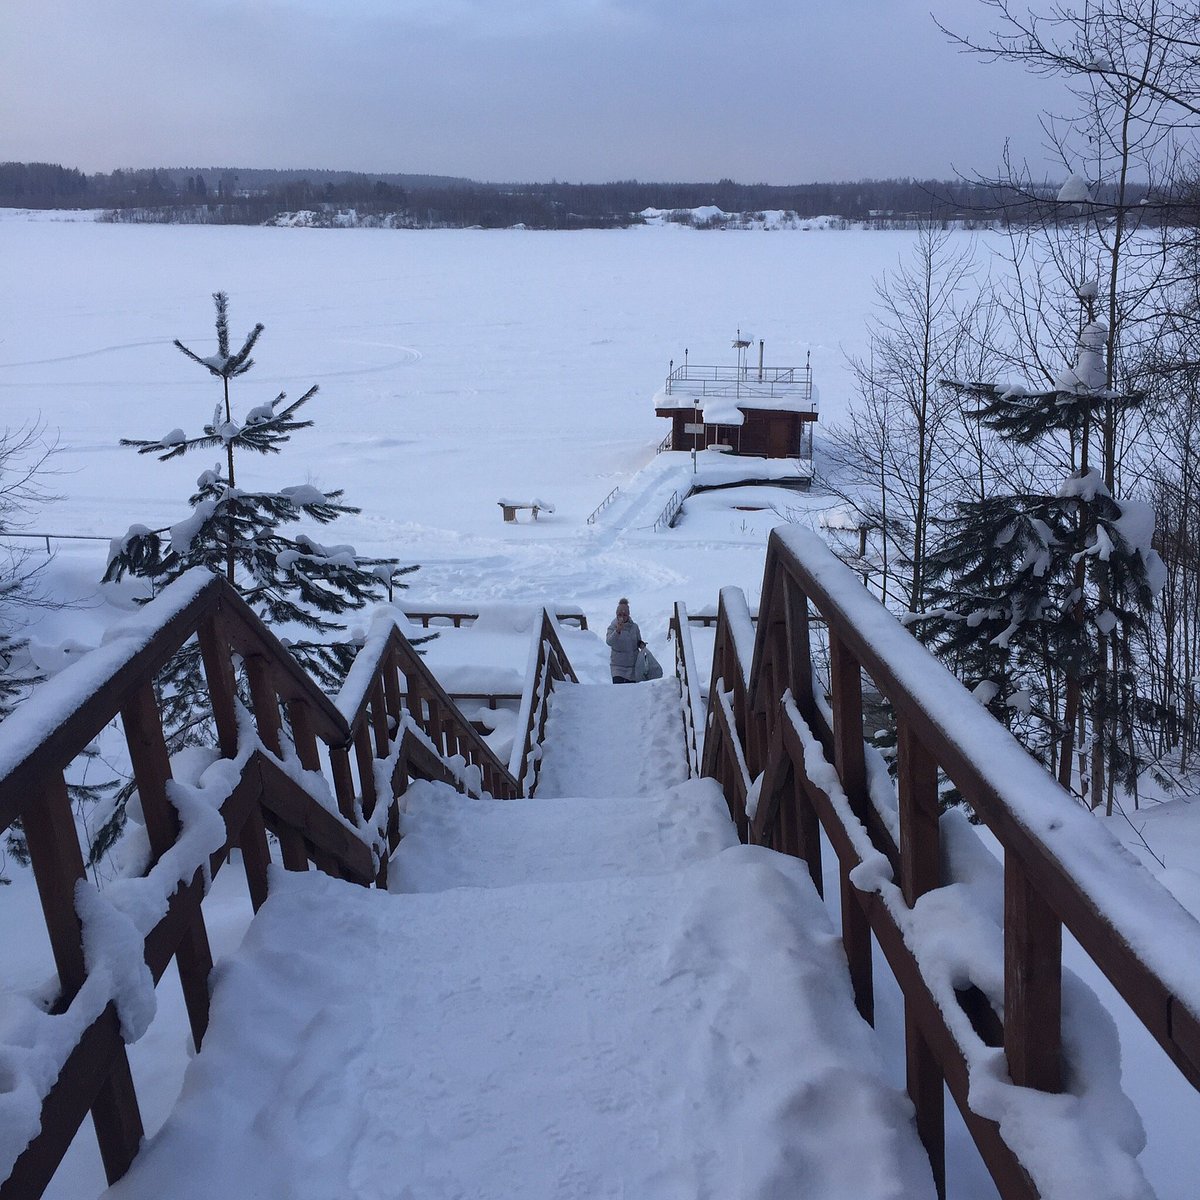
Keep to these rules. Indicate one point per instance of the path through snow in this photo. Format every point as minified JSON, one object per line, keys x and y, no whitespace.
{"x":609,"y":740}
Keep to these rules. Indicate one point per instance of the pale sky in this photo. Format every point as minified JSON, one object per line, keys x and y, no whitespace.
{"x":579,"y":90}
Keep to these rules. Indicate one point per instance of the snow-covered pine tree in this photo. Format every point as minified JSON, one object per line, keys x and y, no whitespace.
{"x":1037,"y":596}
{"x":297,"y":585}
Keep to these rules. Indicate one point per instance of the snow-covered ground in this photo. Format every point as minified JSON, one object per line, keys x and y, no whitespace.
{"x":456,"y":368}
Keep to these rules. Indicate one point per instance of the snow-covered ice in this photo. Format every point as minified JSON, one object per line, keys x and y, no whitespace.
{"x":456,"y":367}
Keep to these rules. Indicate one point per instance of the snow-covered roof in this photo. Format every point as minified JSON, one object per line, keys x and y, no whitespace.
{"x":720,"y":409}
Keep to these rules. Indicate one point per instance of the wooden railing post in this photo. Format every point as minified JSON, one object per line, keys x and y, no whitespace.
{"x":920,"y":872}
{"x":222,"y":691}
{"x":391,"y":687}
{"x":850,"y":762}
{"x":366,"y":770}
{"x":152,"y":769}
{"x":1032,"y":983}
{"x":58,"y":867}
{"x":343,"y":782}
{"x":379,"y":720}
{"x":799,"y":649}
{"x":269,"y":724}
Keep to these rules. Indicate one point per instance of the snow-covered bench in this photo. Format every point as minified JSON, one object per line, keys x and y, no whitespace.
{"x":510,"y":507}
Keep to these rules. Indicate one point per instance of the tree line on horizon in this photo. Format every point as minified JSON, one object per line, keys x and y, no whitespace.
{"x":255,"y":197}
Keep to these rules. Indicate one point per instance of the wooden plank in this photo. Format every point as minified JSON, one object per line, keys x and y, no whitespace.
{"x":67,"y":739}
{"x":58,"y":868}
{"x":366,"y":770}
{"x":343,"y":783}
{"x":808,"y":825}
{"x":799,"y":647}
{"x":65,"y":1107}
{"x":295,"y":808}
{"x":152,"y":770}
{"x":916,"y":785}
{"x":269,"y":723}
{"x":1032,"y":984}
{"x":379,"y":719}
{"x":304,"y":735}
{"x":920,"y":870}
{"x":423,"y":763}
{"x":222,"y":686}
{"x":759,"y":833}
{"x":927,"y":1089}
{"x":391,"y":687}
{"x":256,"y":855}
{"x":251,"y":638}
{"x":850,"y":763}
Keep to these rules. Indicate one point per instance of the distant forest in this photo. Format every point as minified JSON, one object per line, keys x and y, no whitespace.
{"x":256,"y":197}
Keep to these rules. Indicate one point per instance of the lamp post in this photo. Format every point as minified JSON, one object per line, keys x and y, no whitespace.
{"x":695,"y":429}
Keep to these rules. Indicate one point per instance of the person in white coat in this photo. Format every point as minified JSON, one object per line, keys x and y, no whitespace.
{"x":625,"y":640}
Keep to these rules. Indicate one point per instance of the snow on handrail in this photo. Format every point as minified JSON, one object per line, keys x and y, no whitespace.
{"x":974,"y":943}
{"x":547,"y":664}
{"x":111,"y":949}
{"x":689,"y":681}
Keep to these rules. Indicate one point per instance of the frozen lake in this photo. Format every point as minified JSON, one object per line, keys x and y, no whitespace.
{"x":455,"y":367}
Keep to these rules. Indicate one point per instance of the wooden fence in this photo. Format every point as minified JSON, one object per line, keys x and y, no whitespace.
{"x":794,"y":764}
{"x":689,"y":678}
{"x":458,"y":617}
{"x":548,"y":665}
{"x":324,"y":782}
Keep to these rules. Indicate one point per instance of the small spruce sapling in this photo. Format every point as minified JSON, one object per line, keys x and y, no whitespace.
{"x":296,"y":584}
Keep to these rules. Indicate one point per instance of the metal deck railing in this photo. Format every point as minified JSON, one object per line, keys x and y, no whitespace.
{"x":745,"y":383}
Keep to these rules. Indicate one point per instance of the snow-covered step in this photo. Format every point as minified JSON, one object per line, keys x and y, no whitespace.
{"x":451,"y":840}
{"x":613,"y":740}
{"x":690,"y":1033}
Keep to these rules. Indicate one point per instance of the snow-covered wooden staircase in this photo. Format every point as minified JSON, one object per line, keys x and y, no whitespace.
{"x":593,"y":992}
{"x":598,"y":990}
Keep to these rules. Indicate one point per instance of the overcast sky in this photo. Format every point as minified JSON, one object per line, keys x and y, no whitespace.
{"x":779,"y":91}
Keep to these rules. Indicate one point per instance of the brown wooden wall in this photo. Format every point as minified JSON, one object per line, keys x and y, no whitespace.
{"x":765,"y":434}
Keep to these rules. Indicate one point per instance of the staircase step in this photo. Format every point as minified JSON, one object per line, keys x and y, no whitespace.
{"x":451,"y":840}
{"x":613,"y":740}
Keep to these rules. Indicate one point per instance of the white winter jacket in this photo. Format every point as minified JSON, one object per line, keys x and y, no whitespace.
{"x":624,"y":648}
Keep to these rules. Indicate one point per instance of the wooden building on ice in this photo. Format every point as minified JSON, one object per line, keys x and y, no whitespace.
{"x":763,"y":411}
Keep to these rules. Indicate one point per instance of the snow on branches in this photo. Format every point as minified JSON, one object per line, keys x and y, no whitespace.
{"x":291,"y":580}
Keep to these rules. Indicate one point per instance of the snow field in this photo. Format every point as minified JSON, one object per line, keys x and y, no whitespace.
{"x":455,"y":367}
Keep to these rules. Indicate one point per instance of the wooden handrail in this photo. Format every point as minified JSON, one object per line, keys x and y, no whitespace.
{"x":388,"y":655}
{"x":548,"y":664}
{"x":812,"y":772}
{"x":688,"y":674}
{"x":458,"y":615}
{"x":313,"y":785}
